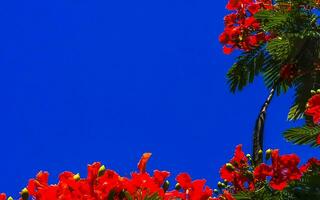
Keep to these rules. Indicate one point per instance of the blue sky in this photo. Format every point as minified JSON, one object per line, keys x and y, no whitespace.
{"x":84,"y":81}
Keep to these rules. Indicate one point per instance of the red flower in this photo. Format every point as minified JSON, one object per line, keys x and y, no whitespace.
{"x":228,"y":196}
{"x":252,"y":22}
{"x":196,"y":189}
{"x":174,"y":195}
{"x":141,"y":184}
{"x":109,"y":181}
{"x":313,"y":108}
{"x":225,"y":196}
{"x":288,"y":72}
{"x":254,"y":8}
{"x":143,"y":162}
{"x":93,"y":170}
{"x":100,"y":183}
{"x":184,"y":180}
{"x":223,"y":38}
{"x":230,"y":20}
{"x":43,"y":178}
{"x":236,"y":4}
{"x":282,"y":171}
{"x":242,"y":30}
{"x":312,"y":162}
{"x":160,"y":176}
{"x":3,"y":196}
{"x":227,"y":174}
{"x":237,"y":171}
{"x":40,"y":182}
{"x":239,"y":159}
{"x":262,"y":171}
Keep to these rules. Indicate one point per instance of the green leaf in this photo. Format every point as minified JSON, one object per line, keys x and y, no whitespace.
{"x":294,"y":113}
{"x":303,"y":135}
{"x":279,"y":48}
{"x":308,"y":188}
{"x":247,"y":66}
{"x":154,"y":196}
{"x":272,"y":19}
{"x":127,"y":195}
{"x":111,"y":195}
{"x":242,"y":196}
{"x":303,"y":86}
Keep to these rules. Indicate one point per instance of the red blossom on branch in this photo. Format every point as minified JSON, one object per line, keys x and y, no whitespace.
{"x":237,"y":171}
{"x":312,"y":162}
{"x":143,"y":162}
{"x":313,"y":108}
{"x":102,"y":183}
{"x":194,"y":189}
{"x":239,"y":175}
{"x":3,"y":196}
{"x":242,"y":30}
{"x":288,"y":72}
{"x":225,"y":196}
{"x":283,"y":170}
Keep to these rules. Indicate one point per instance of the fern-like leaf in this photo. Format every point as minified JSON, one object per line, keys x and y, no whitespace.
{"x":272,"y":19}
{"x":247,"y":66}
{"x":303,"y":135}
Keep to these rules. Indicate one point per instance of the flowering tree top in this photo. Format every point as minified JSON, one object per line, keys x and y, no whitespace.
{"x":279,"y":40}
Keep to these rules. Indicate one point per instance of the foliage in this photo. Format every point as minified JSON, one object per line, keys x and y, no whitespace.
{"x":292,"y":26}
{"x":281,"y":180}
{"x":303,"y":135}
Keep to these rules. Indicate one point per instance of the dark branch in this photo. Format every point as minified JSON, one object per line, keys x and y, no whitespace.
{"x":259,"y":129}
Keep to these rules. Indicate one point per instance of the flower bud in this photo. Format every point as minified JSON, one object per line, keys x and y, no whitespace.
{"x":313,"y":92}
{"x":122,"y":194}
{"x":260,"y":152}
{"x":249,"y":175}
{"x":318,"y":90}
{"x":177,"y":186}
{"x":268,"y":154}
{"x":216,"y":191}
{"x":76,"y":177}
{"x":221,"y":185}
{"x":229,"y":167}
{"x":248,"y":156}
{"x":102,"y":170}
{"x":10,"y":198}
{"x":24,"y":194}
{"x":165,"y":185}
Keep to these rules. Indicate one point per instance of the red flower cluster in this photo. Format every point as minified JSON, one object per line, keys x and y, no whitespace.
{"x":237,"y":171}
{"x":244,"y":177}
{"x":3,"y":196}
{"x":192,"y":189}
{"x":225,"y":196}
{"x":242,"y":30}
{"x":312,"y":162}
{"x":283,"y":170}
{"x":101,"y":184}
{"x":288,"y":72}
{"x":313,"y":108}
